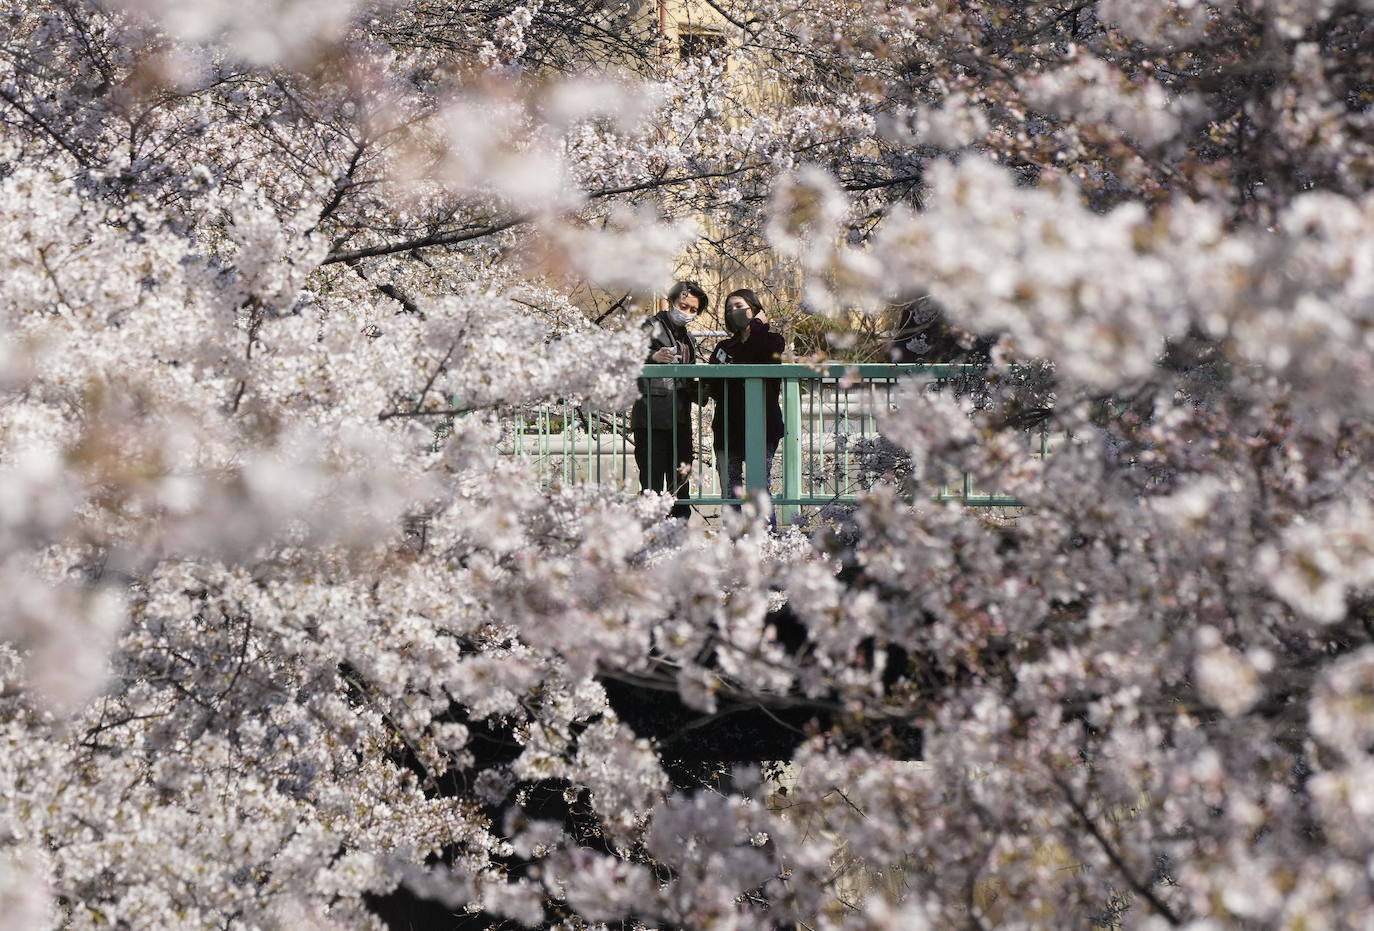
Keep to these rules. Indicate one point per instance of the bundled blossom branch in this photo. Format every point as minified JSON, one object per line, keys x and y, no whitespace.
{"x":276,"y":652}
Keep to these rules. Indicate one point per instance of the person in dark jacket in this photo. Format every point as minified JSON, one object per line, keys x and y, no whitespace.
{"x":661,"y":419}
{"x":751,"y":343}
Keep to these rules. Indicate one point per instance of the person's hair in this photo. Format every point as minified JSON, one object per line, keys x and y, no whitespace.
{"x":749,"y":298}
{"x":692,"y":288}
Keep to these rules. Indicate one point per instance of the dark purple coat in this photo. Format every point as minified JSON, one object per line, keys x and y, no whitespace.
{"x":763,"y":347}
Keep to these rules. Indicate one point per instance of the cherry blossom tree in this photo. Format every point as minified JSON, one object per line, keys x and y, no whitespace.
{"x":286,"y":637}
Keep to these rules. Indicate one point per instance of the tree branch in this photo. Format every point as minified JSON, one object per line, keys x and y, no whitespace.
{"x":424,"y":392}
{"x":613,"y":308}
{"x":446,"y":412}
{"x":424,"y":242}
{"x":453,"y":238}
{"x":728,"y":18}
{"x":343,"y":187}
{"x":57,"y":137}
{"x":1141,"y":889}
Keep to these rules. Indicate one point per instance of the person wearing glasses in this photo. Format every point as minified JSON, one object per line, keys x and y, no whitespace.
{"x":661,"y":420}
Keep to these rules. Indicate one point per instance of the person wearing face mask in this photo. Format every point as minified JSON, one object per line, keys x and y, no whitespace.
{"x":661,"y":420}
{"x":751,"y":343}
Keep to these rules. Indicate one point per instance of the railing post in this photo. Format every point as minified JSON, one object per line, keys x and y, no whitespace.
{"x":755,"y":436}
{"x":791,"y":447}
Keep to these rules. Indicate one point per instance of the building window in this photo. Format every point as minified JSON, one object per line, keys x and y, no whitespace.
{"x":693,"y":43}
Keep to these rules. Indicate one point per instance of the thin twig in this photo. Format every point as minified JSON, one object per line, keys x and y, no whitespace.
{"x":613,"y":308}
{"x":424,"y":392}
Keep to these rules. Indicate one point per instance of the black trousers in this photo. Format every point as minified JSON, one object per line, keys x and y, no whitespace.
{"x":730,"y":468}
{"x":664,"y":460}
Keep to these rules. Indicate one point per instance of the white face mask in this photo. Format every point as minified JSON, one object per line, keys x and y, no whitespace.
{"x":679,"y":317}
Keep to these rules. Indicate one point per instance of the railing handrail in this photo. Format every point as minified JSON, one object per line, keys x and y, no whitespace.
{"x":810,"y":393}
{"x":804,"y":371}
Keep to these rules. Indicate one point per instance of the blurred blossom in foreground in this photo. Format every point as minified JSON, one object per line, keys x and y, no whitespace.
{"x":259,"y":32}
{"x":286,"y":632}
{"x":1092,"y":90}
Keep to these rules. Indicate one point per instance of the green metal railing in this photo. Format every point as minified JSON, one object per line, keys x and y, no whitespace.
{"x":830,"y":433}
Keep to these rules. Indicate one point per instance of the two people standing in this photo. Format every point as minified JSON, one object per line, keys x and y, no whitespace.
{"x":661,"y":420}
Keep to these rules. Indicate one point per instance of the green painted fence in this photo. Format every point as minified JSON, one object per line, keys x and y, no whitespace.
{"x":831,"y":437}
